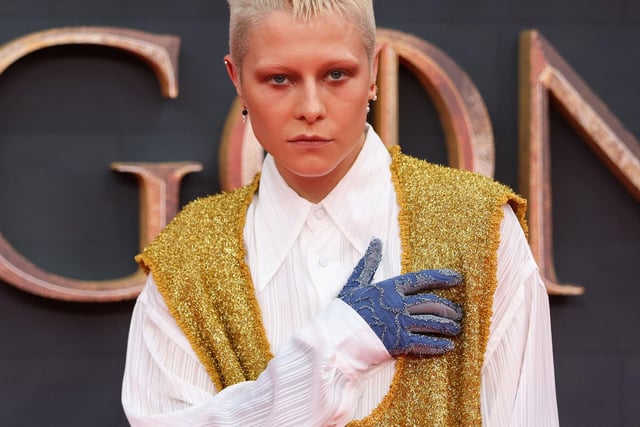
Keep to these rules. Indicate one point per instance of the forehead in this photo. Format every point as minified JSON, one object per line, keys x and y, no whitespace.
{"x":279,"y":36}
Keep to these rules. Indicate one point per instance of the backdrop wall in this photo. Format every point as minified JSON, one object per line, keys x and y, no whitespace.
{"x":66,"y":113}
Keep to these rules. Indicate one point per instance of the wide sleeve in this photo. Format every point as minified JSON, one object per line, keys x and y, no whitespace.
{"x":518,"y":385}
{"x":314,"y":380}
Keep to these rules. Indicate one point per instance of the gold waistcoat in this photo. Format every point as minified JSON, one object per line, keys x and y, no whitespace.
{"x":448,"y":219}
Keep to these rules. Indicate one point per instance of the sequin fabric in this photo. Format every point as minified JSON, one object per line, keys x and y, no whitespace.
{"x":198,"y":264}
{"x":448,"y":219}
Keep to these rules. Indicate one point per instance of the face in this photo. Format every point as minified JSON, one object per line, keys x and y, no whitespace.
{"x":306,"y":86}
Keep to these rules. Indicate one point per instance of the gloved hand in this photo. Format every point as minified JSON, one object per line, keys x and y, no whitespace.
{"x":407,"y":323}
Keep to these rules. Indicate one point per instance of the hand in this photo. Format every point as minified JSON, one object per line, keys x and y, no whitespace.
{"x":407,"y":322}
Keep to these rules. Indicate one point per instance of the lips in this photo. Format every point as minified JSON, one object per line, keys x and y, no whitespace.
{"x":309,"y":140}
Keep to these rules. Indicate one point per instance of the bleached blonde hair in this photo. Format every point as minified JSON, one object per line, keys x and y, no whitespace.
{"x":246,"y":15}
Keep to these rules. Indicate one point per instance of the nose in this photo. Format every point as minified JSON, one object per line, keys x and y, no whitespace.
{"x":310,"y":106}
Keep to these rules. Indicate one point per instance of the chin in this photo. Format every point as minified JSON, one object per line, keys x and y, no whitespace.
{"x":313,"y":174}
{"x":311,"y":167}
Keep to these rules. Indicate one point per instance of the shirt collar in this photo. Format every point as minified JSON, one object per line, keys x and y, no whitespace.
{"x":355,"y":206}
{"x":358,"y":204}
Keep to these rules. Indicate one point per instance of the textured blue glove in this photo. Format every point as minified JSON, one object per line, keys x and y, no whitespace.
{"x":407,"y":322}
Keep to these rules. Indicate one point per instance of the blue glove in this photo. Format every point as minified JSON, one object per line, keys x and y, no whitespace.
{"x":408,"y":323}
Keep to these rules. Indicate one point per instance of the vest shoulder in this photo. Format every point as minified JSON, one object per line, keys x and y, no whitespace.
{"x":217,"y":207}
{"x":420,"y":173}
{"x":200,"y":224}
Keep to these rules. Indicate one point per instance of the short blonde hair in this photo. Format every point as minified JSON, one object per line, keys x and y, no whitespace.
{"x":246,"y":14}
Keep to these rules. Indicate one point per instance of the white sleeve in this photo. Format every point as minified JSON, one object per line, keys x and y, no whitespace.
{"x":314,"y":380}
{"x":518,"y":385}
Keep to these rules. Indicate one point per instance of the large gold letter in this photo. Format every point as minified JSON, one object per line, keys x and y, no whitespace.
{"x":544,"y":73}
{"x":159,"y":199}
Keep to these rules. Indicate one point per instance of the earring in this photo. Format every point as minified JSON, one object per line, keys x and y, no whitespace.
{"x":375,"y":98}
{"x":245,"y":113}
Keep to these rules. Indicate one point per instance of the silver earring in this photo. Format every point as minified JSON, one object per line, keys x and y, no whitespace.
{"x":368,"y":108}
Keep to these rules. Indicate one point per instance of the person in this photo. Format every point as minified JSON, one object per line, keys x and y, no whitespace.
{"x":348,"y":283}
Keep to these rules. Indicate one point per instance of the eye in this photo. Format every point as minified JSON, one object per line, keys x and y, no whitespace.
{"x":336,"y":74}
{"x":279,"y":79}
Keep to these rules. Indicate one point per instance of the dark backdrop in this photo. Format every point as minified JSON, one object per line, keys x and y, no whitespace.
{"x":67,"y":113}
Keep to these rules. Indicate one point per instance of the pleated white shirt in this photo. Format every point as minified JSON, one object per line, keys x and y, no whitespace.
{"x":329,"y":366}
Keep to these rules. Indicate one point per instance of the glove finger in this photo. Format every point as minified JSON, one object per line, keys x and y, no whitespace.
{"x":366,"y":268}
{"x":424,"y":345}
{"x":433,"y":304}
{"x":431,"y":324}
{"x":422,"y":280}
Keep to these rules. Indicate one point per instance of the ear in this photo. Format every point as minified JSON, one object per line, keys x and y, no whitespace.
{"x":374,"y":71}
{"x":234,"y":74}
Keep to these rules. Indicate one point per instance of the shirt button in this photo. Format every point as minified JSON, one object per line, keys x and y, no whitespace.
{"x":320,"y":213}
{"x":323,"y":261}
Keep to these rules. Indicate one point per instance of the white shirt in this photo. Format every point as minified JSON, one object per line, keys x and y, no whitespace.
{"x":329,"y":366}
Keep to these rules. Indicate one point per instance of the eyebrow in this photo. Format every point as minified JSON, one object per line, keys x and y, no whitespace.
{"x":348,"y":60}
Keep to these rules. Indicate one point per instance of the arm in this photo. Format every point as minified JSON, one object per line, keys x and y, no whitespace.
{"x":315,"y":380}
{"x":518,"y":386}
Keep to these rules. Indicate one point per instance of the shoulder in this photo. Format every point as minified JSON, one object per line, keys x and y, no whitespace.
{"x":200,"y":226}
{"x":447,"y":189}
{"x":214,"y":209}
{"x":420,"y":174}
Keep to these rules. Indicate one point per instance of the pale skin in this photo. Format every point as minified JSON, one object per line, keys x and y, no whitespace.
{"x":306,"y":86}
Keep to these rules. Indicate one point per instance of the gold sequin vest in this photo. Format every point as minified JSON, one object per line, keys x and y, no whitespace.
{"x":448,"y":219}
